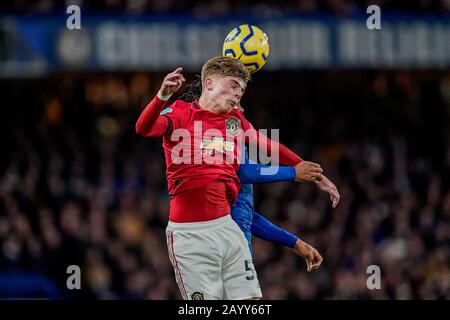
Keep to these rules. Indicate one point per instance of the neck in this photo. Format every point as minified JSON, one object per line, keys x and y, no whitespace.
{"x":207,"y":104}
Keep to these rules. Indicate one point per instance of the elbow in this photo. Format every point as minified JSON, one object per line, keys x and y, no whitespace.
{"x":145,"y":132}
{"x":139,"y":130}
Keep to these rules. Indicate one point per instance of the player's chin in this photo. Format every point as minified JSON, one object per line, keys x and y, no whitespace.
{"x":231,"y":104}
{"x":227,"y":107}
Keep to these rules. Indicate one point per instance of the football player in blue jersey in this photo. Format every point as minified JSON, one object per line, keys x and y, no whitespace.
{"x":252,"y":223}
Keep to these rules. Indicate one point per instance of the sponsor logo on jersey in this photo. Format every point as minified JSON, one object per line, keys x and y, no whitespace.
{"x":217,"y":144}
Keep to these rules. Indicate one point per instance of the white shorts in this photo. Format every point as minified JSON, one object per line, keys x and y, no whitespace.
{"x":212,"y":260}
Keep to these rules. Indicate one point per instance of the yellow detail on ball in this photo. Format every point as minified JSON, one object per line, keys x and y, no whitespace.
{"x":248,"y":44}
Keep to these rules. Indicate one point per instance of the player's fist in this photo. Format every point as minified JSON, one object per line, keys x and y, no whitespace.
{"x":307,"y":171}
{"x":311,"y":255}
{"x":171,"y":83}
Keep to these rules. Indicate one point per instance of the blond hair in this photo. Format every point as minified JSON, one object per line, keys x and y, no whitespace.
{"x":225,"y":66}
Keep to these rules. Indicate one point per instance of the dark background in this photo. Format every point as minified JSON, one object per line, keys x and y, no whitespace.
{"x":78,"y":186}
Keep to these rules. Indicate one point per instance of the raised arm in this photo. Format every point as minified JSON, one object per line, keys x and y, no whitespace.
{"x":255,"y":173}
{"x":151,"y":123}
{"x":306,"y":170}
{"x":286,"y":156}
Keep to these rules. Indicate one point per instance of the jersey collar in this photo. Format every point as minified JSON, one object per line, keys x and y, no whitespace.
{"x":196,"y":104}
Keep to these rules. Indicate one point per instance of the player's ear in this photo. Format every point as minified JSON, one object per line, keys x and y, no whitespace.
{"x":208,"y":83}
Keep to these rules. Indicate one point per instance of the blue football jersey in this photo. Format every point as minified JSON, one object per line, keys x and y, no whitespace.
{"x":242,"y":209}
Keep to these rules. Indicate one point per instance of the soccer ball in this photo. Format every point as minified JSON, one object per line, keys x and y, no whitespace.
{"x":249,"y":45}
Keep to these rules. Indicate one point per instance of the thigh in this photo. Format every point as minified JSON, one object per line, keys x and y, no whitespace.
{"x":239,"y":277}
{"x":197,"y":264}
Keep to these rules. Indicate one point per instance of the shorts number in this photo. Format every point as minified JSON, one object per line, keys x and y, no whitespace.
{"x":250,"y":272}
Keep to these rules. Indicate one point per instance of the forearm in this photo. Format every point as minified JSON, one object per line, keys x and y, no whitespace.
{"x":264,"y":229}
{"x":259,"y":173}
{"x":285,"y":156}
{"x":149,"y":123}
{"x":288,"y":157}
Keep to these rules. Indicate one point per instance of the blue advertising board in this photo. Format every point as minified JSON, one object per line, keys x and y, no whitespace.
{"x":162,"y":42}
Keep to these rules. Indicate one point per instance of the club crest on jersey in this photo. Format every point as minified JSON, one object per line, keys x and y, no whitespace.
{"x":233,"y":126}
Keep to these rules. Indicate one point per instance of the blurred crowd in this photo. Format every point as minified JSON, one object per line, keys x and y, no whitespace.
{"x":79,"y":187}
{"x":221,"y":7}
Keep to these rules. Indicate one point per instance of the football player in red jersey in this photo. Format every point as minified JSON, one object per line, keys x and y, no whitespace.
{"x":207,"y":249}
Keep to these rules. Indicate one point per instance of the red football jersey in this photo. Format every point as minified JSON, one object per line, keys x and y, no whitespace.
{"x":202,"y":151}
{"x":201,"y":146}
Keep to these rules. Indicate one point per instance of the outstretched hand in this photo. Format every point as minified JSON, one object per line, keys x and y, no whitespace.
{"x":326,"y":185}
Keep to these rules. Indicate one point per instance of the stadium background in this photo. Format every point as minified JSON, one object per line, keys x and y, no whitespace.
{"x":78,"y":186}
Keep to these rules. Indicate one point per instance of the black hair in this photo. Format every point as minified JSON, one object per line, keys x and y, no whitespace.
{"x":193,"y":90}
